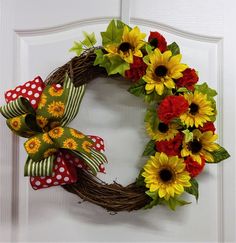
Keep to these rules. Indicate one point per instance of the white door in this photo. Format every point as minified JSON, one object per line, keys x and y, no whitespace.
{"x":35,"y":37}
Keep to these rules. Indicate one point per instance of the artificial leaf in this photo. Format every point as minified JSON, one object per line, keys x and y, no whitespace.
{"x":174,"y":48}
{"x":138,"y":89}
{"x":113,"y":33}
{"x":188,"y":135}
{"x":219,"y":155}
{"x":89,"y":40}
{"x":152,"y":118}
{"x":148,"y":49}
{"x":173,"y":202}
{"x":77,"y":48}
{"x":102,"y":60}
{"x":155,"y":199}
{"x":140,"y":179}
{"x":118,"y":65}
{"x":193,"y":189}
{"x":121,"y":25}
{"x":150,"y":148}
{"x":182,"y":90}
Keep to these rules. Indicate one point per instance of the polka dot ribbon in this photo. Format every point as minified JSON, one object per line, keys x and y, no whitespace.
{"x":32,"y":108}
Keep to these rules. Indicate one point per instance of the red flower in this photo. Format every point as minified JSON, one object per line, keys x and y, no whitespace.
{"x":158,"y":41}
{"x":208,"y":126}
{"x":172,"y":107}
{"x":171,"y":147}
{"x":188,"y":80}
{"x":137,"y":69}
{"x":193,"y":167}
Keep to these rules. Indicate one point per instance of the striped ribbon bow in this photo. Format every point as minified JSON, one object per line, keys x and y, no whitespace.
{"x":46,"y":130}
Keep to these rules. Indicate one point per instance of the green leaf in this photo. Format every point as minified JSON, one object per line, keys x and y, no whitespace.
{"x":155,"y":199}
{"x":188,"y":135}
{"x":152,"y":118}
{"x":182,"y":90}
{"x":140,"y":179}
{"x":89,"y":40}
{"x":173,"y":202}
{"x":193,"y":189}
{"x":102,"y":60}
{"x":219,"y":155}
{"x":77,"y":48}
{"x":174,"y":48}
{"x":150,"y":148}
{"x":138,"y":89}
{"x":148,"y":49}
{"x":118,"y":65}
{"x":113,"y":33}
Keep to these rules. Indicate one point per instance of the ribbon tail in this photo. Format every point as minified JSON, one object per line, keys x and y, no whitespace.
{"x":94,"y":161}
{"x":39,"y":168}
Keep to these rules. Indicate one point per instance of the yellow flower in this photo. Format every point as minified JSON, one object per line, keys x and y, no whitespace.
{"x":131,"y":43}
{"x":86,"y":145}
{"x":200,"y":146}
{"x":49,"y":152}
{"x":15,"y":123}
{"x":47,"y":139}
{"x":53,"y":91}
{"x":76,"y":134}
{"x":161,"y":71}
{"x":43,"y":101}
{"x":70,"y":143}
{"x":56,"y":132}
{"x":163,"y":132}
{"x":199,"y":111}
{"x":42,"y":121}
{"x":32,"y":145}
{"x":166,"y":175}
{"x":56,"y":108}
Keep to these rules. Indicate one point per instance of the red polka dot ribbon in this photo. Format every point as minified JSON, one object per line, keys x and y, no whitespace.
{"x":31,"y":90}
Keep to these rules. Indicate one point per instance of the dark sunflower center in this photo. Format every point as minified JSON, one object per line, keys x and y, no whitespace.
{"x":125,"y":46}
{"x":193,"y":109}
{"x":165,"y":175}
{"x":195,"y":146}
{"x":161,"y":71}
{"x":154,"y":42}
{"x":162,"y":127}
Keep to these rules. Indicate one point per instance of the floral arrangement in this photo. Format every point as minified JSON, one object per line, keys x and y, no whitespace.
{"x":179,"y":121}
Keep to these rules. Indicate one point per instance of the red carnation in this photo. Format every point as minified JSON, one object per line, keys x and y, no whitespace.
{"x":158,"y":41}
{"x":188,"y":80}
{"x":193,"y":167}
{"x":171,"y":147}
{"x":208,"y":126}
{"x":172,"y":107}
{"x":137,"y":69}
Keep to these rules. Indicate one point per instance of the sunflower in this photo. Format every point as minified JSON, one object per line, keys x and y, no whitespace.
{"x":76,"y":134}
{"x":56,"y":108}
{"x":131,"y":43}
{"x":15,"y":123}
{"x":56,"y":132}
{"x":42,"y":121}
{"x":42,"y":101}
{"x":49,"y":152}
{"x":47,"y":139}
{"x":161,"y":71}
{"x":32,"y":145}
{"x":166,"y":175}
{"x":163,"y":132}
{"x":199,"y":111}
{"x":70,"y":143}
{"x":54,"y":91}
{"x":86,"y":146}
{"x":201,"y":146}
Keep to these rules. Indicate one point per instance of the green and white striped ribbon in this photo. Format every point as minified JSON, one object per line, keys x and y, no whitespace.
{"x":16,"y":108}
{"x":39,"y":168}
{"x":94,"y":161}
{"x":75,"y":95}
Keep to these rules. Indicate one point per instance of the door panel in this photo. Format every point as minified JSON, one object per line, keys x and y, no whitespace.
{"x":39,"y":45}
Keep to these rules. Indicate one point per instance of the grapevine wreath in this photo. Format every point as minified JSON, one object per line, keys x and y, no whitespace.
{"x":179,"y":120}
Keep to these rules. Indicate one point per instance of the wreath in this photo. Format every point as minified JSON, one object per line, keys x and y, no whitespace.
{"x":179,"y":119}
